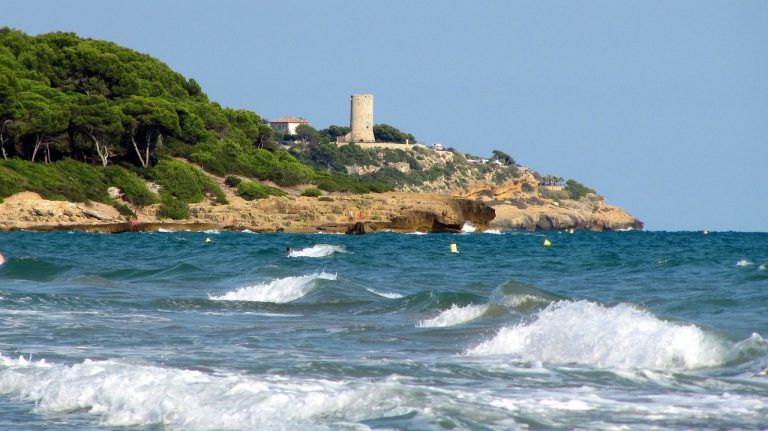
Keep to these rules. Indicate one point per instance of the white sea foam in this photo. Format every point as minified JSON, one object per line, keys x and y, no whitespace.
{"x":493,"y":231}
{"x":417,"y":233}
{"x":164,"y":230}
{"x":467,"y":227}
{"x":247,"y":231}
{"x":390,"y":295}
{"x":116,"y":393}
{"x":212,"y":231}
{"x":318,"y":250}
{"x":744,"y":262}
{"x":622,"y":336}
{"x":520,"y":299}
{"x":280,"y":290}
{"x":124,"y":394}
{"x":455,"y":315}
{"x":761,"y":267}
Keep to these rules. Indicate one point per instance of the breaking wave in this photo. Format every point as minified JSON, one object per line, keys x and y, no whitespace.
{"x":522,"y":297}
{"x":279,"y":291}
{"x":744,"y":262}
{"x":390,"y":295}
{"x":467,"y":227}
{"x":455,"y":315}
{"x":493,"y":231}
{"x":622,"y":336}
{"x":319,"y":250}
{"x":124,"y":394}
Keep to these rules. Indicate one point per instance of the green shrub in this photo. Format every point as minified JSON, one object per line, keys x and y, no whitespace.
{"x":325,"y":199}
{"x":63,"y":180}
{"x":186,"y":183}
{"x":10,"y":183}
{"x":555,"y":195}
{"x":232,"y":181}
{"x":312,"y":192}
{"x":250,"y":190}
{"x":134,"y":189}
{"x":576,"y":189}
{"x":122,"y":209}
{"x":173,"y":208}
{"x":224,"y":157}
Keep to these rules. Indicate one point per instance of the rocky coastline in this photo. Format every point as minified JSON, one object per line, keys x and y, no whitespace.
{"x":336,"y":213}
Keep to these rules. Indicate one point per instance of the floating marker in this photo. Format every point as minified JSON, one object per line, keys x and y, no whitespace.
{"x":706,"y":232}
{"x":570,"y":231}
{"x":547,"y":243}
{"x":208,"y":240}
{"x":454,"y":248}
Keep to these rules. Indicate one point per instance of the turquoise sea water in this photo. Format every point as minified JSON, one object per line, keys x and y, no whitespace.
{"x":155,"y":331}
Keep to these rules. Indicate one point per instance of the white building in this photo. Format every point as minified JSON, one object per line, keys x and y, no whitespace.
{"x":438,"y":147}
{"x":287,"y":125}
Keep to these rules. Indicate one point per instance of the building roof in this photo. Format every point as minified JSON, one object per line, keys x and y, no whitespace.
{"x":289,"y":120}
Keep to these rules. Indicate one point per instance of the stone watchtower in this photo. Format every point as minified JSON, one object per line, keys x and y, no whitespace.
{"x":361,"y":118}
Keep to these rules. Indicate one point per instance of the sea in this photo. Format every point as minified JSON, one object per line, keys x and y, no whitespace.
{"x":224,"y":330}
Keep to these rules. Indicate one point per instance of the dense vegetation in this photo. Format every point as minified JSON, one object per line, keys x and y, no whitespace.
{"x":73,"y":181}
{"x":79,"y":115}
{"x":63,"y":97}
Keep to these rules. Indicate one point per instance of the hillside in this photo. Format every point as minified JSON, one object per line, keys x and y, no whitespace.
{"x":93,"y":123}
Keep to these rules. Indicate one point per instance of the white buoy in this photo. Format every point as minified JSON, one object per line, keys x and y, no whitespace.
{"x":454,"y":248}
{"x":208,"y":240}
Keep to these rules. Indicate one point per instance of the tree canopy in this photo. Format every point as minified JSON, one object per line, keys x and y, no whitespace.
{"x":387,"y":133}
{"x":94,"y":100}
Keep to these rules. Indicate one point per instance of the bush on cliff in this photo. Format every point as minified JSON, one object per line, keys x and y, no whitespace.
{"x":232,"y":181}
{"x":72,"y":181}
{"x":250,"y":190}
{"x":63,"y":180}
{"x":186,"y":183}
{"x":134,"y":189}
{"x":173,"y":208}
{"x":576,"y":189}
{"x":312,"y":192}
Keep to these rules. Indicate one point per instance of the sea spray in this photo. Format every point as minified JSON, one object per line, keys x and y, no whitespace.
{"x":319,"y":250}
{"x":467,"y":227}
{"x":280,"y":290}
{"x":583,"y":332}
{"x":383,"y":294}
{"x":129,"y":395}
{"x":456,"y":315}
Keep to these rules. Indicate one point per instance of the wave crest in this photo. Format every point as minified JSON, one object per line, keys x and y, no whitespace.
{"x":622,"y":336}
{"x":124,"y":394}
{"x":456,"y":315}
{"x":383,"y":294}
{"x":318,"y":250}
{"x":279,"y":291}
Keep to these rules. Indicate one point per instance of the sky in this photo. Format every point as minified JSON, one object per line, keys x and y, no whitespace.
{"x":661,"y":106}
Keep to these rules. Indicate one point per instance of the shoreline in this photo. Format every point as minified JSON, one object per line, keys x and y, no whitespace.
{"x":351,"y":214}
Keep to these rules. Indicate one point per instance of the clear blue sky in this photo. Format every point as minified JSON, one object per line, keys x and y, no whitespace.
{"x":662,"y":106}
